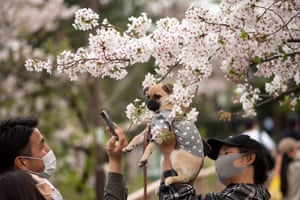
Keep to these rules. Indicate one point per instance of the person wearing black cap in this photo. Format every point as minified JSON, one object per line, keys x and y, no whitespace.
{"x":240,"y":166}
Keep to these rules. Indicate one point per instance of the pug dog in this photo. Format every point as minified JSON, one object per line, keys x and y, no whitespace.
{"x":188,"y":156}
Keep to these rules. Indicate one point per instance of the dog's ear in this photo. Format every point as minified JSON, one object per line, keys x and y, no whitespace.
{"x":168,"y":88}
{"x":145,"y":91}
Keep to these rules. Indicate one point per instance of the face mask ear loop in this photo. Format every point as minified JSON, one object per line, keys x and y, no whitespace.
{"x":49,"y":161}
{"x":29,"y":157}
{"x":34,"y":158}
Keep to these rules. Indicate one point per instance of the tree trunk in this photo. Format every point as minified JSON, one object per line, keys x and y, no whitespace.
{"x":94,"y":117}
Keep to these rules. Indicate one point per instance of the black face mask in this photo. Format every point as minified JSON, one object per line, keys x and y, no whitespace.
{"x":153,"y":105}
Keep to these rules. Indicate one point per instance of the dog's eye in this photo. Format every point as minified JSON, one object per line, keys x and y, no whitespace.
{"x":157,"y":96}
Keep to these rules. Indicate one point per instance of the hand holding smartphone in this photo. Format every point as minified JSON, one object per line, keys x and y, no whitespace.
{"x":108,"y":122}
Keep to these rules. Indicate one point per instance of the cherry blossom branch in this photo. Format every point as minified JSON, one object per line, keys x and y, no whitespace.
{"x":273,"y":98}
{"x":273,"y":58}
{"x":81,"y":61}
{"x":227,"y":116}
{"x":280,"y":17}
{"x":293,"y":40}
{"x":168,"y":72}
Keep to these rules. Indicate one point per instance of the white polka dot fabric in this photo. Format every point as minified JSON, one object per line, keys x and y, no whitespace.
{"x":187,"y":135}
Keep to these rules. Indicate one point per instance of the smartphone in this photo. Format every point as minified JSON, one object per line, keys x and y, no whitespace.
{"x":108,"y":122}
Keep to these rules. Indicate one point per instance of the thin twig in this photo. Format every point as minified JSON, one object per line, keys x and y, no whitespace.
{"x":294,"y":89}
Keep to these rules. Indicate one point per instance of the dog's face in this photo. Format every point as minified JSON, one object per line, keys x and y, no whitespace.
{"x":157,"y":96}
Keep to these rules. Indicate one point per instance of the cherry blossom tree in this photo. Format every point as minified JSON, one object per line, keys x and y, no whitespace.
{"x":22,"y":24}
{"x":20,"y":19}
{"x":28,"y":27}
{"x":249,"y":38}
{"x":37,"y":28}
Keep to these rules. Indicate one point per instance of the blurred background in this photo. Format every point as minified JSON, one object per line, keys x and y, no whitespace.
{"x":69,"y":111}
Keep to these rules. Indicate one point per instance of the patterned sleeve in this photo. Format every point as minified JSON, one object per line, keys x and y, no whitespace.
{"x":178,"y":191}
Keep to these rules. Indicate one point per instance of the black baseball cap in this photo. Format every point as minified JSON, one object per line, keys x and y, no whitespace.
{"x":236,"y":141}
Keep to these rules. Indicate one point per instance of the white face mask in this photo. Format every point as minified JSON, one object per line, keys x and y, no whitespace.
{"x":298,"y":155}
{"x":49,"y":161}
{"x":225,"y":168}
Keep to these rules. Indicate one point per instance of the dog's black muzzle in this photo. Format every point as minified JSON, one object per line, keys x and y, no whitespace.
{"x":153,"y":105}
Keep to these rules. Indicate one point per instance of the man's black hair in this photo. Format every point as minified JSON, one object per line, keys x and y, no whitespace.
{"x":292,"y":120}
{"x":14,"y":138}
{"x":260,"y":166}
{"x":250,"y":122}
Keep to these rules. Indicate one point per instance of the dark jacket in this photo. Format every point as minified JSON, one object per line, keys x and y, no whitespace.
{"x":115,"y":189}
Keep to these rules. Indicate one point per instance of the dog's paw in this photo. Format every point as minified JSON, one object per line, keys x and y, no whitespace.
{"x":142,"y":162}
{"x":127,"y":149}
{"x":168,"y":181}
